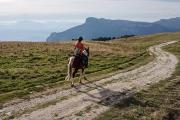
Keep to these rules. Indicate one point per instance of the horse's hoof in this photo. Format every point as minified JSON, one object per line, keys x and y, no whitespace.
{"x":80,"y":82}
{"x":72,"y":85}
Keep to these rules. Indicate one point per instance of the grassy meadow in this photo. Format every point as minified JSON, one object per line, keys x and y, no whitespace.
{"x":160,"y":102}
{"x":27,"y":68}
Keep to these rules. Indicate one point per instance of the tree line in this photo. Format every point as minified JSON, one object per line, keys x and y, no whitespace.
{"x":109,"y":38}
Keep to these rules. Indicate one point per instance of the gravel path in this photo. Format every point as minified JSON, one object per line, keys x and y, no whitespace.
{"x":87,"y":101}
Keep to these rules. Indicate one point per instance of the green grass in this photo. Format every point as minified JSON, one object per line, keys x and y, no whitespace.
{"x":175,"y":49}
{"x":26,"y":68}
{"x":159,"y":102}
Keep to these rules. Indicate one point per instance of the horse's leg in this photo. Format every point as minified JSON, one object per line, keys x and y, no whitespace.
{"x":73,"y":76}
{"x":74,"y":72}
{"x":72,"y":80}
{"x":69,"y":76}
{"x":81,"y":75}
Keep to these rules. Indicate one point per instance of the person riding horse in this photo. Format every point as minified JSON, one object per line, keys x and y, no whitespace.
{"x":78,"y":61}
{"x":79,"y":51}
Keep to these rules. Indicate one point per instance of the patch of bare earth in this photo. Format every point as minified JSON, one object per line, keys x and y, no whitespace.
{"x":87,"y":101}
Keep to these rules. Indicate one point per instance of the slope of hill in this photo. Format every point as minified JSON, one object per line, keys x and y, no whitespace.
{"x":94,"y":28}
{"x":147,"y":104}
{"x":96,"y":96}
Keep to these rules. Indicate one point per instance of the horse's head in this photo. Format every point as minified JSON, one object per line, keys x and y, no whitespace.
{"x":86,"y":52}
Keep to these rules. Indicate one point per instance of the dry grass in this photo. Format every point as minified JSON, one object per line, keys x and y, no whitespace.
{"x":159,"y":102}
{"x":33,"y":67}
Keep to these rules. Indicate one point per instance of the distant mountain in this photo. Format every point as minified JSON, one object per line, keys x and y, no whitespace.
{"x":94,"y":28}
{"x":173,"y":23}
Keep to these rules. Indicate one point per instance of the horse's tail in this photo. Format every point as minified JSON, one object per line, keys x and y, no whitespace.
{"x":69,"y":76}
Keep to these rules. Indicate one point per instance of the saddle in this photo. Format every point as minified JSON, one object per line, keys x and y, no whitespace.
{"x":79,"y":61}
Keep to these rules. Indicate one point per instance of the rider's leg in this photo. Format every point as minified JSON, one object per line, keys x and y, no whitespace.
{"x":85,"y":60}
{"x":82,"y":58}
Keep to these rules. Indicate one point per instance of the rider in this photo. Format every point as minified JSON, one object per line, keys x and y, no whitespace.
{"x":79,"y":48}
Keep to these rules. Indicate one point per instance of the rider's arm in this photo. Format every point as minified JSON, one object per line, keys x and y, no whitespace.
{"x":83,"y":47}
{"x":75,"y":45}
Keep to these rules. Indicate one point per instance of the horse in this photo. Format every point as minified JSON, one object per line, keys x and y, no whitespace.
{"x":75,"y":63}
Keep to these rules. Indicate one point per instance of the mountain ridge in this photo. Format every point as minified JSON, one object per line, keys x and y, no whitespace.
{"x":101,"y":27}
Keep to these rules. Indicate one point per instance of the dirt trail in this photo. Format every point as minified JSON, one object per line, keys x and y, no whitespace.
{"x":89,"y":100}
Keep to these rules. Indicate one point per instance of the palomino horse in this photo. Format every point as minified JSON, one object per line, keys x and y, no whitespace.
{"x":76,"y":63}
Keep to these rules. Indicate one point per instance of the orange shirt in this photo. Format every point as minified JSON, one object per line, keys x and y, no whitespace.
{"x":80,"y":46}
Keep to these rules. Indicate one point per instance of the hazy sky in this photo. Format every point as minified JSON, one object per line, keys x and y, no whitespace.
{"x":68,"y":13}
{"x":78,"y":10}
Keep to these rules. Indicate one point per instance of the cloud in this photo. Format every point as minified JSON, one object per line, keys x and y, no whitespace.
{"x":63,"y":14}
{"x":5,"y":1}
{"x":169,"y":0}
{"x":122,"y":9}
